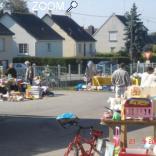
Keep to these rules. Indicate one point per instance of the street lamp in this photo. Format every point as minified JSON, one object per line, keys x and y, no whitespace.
{"x":147,"y":53}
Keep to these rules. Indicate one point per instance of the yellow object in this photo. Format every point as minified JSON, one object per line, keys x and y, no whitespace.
{"x":123,"y":112}
{"x":28,"y":87}
{"x":135,"y":81}
{"x":28,"y":94}
{"x":101,"y":81}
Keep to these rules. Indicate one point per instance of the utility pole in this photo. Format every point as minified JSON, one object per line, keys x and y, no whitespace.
{"x":131,"y":38}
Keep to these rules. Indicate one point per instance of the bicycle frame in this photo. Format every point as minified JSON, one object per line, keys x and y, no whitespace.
{"x":79,"y":140}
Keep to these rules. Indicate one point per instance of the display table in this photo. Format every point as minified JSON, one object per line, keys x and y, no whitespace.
{"x":107,"y":80}
{"x":124,"y":123}
{"x":101,"y":81}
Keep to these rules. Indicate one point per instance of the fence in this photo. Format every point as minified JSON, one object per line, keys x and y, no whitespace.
{"x":107,"y":69}
{"x":59,"y":77}
{"x":54,"y":77}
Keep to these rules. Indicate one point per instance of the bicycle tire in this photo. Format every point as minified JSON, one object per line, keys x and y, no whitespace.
{"x":101,"y":151}
{"x":74,"y":151}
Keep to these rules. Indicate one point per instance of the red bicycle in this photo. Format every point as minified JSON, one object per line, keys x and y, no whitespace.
{"x":77,"y":147}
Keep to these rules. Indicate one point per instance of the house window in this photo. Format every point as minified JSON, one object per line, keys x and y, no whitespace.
{"x":112,"y":49}
{"x":2,"y":45}
{"x":49,"y":47}
{"x":113,"y":36}
{"x":79,"y":48}
{"x":23,"y":48}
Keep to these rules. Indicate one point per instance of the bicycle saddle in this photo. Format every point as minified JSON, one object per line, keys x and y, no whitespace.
{"x":67,"y":119}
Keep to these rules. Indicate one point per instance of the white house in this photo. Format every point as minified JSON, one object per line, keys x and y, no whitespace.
{"x":110,"y":36}
{"x":32,"y":36}
{"x":77,"y":43}
{"x":6,"y":45}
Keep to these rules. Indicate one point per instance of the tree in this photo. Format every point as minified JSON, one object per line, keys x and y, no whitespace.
{"x":136,"y":34}
{"x":16,"y":6}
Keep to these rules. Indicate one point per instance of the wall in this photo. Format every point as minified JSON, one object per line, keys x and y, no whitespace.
{"x":87,"y":51}
{"x":102,"y":36}
{"x":56,"y":48}
{"x":69,"y":45}
{"x":21,"y":35}
{"x":7,"y":54}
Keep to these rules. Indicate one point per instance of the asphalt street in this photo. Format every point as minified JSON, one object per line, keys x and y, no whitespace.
{"x":29,"y":128}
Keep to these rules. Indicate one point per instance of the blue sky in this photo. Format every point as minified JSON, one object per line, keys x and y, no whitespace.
{"x":103,"y":8}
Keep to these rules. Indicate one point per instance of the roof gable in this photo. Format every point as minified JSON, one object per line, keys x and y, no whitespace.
{"x":121,"y":18}
{"x":35,"y":26}
{"x":5,"y":31}
{"x":74,"y":30}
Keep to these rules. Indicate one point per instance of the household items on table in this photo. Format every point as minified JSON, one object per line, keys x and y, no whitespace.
{"x":137,"y":107}
{"x":12,"y":89}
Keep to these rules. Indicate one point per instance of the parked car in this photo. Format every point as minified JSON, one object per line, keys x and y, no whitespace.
{"x":19,"y":66}
{"x":106,"y":67}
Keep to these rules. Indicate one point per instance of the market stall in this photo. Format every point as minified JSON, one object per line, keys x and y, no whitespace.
{"x":12,"y":89}
{"x":138,"y":107}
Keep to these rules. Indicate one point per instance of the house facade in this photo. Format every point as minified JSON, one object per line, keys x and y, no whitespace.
{"x":6,"y":45}
{"x":77,"y":42}
{"x":110,"y":36}
{"x":32,"y":36}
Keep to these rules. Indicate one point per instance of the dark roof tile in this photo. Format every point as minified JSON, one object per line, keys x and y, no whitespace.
{"x":35,"y":26}
{"x":5,"y":31}
{"x":122,"y":19}
{"x":72,"y":28}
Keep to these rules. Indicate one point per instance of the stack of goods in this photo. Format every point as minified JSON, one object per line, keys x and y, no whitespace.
{"x":15,"y":96}
{"x":33,"y":92}
{"x":36,"y":92}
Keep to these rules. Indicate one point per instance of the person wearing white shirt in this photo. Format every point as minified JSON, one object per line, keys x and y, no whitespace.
{"x":147,"y":77}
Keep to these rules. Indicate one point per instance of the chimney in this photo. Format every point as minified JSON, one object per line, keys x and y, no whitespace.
{"x":7,"y":11}
{"x":7,"y":8}
{"x":36,"y":12}
{"x":50,"y":12}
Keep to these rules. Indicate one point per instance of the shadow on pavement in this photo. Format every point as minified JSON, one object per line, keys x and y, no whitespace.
{"x":31,"y":135}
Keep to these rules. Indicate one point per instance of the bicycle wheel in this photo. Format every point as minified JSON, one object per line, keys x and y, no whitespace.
{"x":100,"y":147}
{"x":74,"y":151}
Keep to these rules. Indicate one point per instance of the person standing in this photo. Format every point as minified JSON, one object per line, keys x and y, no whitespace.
{"x":29,"y":73}
{"x":90,"y":71}
{"x":11,"y":71}
{"x":147,"y":77}
{"x":120,"y":80}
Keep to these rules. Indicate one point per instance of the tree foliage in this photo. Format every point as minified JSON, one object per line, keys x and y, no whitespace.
{"x":16,"y":6}
{"x":136,"y":34}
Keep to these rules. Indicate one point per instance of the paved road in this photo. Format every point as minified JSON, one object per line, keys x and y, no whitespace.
{"x":29,"y":128}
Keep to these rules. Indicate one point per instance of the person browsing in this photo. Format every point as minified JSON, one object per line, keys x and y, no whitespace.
{"x":120,"y":80}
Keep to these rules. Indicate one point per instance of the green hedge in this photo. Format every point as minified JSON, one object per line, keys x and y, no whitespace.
{"x":72,"y":61}
{"x":65,"y":61}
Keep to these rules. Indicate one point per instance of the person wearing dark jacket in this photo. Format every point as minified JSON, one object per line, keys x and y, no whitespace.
{"x":11,"y":71}
{"x":29,"y":75}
